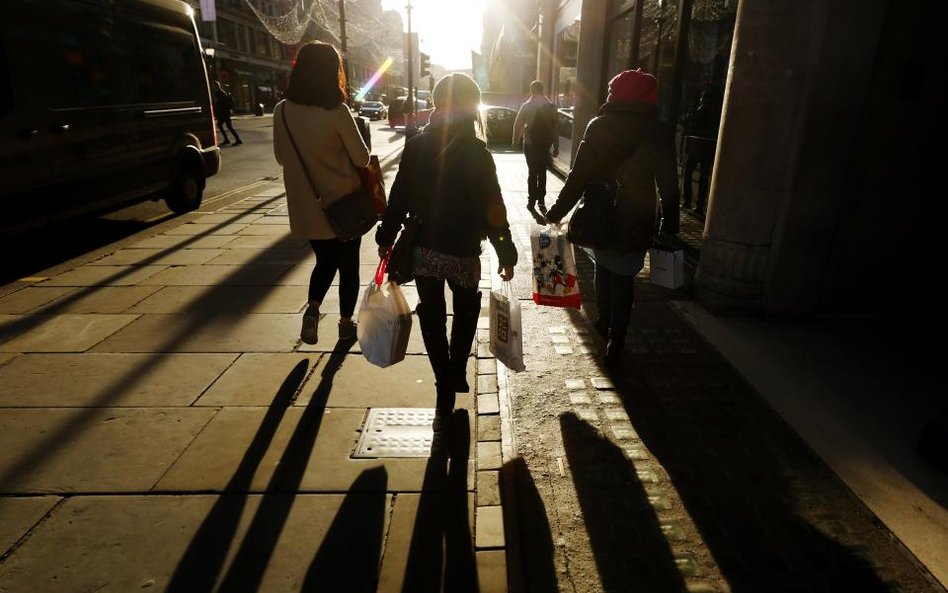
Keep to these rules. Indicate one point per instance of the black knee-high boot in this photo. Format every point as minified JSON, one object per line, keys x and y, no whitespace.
{"x":434,"y":334}
{"x":463,"y":330}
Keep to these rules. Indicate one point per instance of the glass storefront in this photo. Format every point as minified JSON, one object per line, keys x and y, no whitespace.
{"x":563,"y":93}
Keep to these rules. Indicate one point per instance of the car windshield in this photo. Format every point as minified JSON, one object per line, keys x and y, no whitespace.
{"x":371,"y":104}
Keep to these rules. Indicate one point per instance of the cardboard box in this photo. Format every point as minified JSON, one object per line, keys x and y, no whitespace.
{"x":667,"y":266}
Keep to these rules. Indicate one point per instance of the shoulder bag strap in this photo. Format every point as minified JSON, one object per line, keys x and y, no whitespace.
{"x":298,"y":154}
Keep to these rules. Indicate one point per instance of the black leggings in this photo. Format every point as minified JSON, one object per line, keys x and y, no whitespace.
{"x":333,"y":255}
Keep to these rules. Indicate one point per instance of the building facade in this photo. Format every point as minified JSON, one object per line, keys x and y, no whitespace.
{"x":822,"y":145}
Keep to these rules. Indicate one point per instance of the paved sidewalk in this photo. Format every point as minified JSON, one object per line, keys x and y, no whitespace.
{"x":163,"y":428}
{"x":671,"y":473}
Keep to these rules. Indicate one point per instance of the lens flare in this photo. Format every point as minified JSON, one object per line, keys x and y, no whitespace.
{"x":374,"y":79}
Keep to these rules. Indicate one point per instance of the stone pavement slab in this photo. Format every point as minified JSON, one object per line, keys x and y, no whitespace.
{"x":361,"y":384}
{"x":31,"y":297}
{"x":274,"y":543}
{"x":113,"y":380}
{"x":99,"y":299}
{"x":91,"y":275}
{"x":194,"y":333}
{"x":158,"y":257}
{"x":60,"y":333}
{"x":429,"y":531}
{"x":317,"y":445}
{"x":18,"y":515}
{"x":266,"y":242}
{"x":211,"y":275}
{"x":223,"y":300}
{"x":92,"y":450}
{"x":329,"y":334}
{"x":180,"y":242}
{"x":196,"y":228}
{"x":254,"y":379}
{"x":262,"y":256}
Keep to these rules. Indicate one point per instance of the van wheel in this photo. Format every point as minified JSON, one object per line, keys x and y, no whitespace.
{"x":186,"y":191}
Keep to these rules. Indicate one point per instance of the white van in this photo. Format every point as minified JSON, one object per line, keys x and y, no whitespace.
{"x":102,"y":103}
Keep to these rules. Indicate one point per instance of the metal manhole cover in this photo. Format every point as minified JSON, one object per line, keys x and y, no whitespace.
{"x":396,"y":432}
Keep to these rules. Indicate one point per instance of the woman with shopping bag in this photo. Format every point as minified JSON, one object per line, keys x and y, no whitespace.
{"x":448,"y":183}
{"x":626,"y":147}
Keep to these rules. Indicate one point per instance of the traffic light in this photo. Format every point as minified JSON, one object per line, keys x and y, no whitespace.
{"x":424,"y":68}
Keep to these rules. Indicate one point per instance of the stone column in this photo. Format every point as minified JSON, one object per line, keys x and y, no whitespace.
{"x":590,"y":58}
{"x":545,"y":38}
{"x":799,"y":74}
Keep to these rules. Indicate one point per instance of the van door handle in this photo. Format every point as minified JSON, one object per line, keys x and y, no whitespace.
{"x":59,"y":128}
{"x":26,"y":133}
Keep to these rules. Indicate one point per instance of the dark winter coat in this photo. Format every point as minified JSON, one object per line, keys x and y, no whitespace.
{"x":447,"y":177}
{"x":627,"y":143}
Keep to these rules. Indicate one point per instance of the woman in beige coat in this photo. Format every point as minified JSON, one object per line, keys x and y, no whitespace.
{"x":316,"y":140}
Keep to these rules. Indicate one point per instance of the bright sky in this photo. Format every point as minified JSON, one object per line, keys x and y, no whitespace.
{"x":447,"y":29}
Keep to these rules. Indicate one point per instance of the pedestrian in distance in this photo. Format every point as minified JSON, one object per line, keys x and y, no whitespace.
{"x":628,"y":147}
{"x":700,"y":141}
{"x":223,"y":110}
{"x":535,"y":125}
{"x":316,"y":141}
{"x":448,"y":180}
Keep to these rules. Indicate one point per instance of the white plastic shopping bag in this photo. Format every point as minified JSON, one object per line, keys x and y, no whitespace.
{"x":506,"y":337}
{"x":554,"y":269}
{"x":384,"y":321}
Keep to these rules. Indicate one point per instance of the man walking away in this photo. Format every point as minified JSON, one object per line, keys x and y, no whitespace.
{"x":536,"y":124}
{"x":223,"y":106}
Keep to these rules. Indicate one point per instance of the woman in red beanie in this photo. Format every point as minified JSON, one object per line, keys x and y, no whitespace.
{"x":628,"y":150}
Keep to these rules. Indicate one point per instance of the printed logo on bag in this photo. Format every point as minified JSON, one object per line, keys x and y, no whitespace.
{"x":544,"y":240}
{"x":503,"y":328}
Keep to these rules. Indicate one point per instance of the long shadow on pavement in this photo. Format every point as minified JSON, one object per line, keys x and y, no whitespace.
{"x":348,"y":559}
{"x":251,"y":561}
{"x":207,"y":310}
{"x":202,"y":562}
{"x":631,"y":552}
{"x":530,"y":540}
{"x":442,"y":550}
{"x":767,"y":509}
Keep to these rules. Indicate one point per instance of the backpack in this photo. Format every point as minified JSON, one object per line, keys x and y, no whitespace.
{"x":543,"y":129}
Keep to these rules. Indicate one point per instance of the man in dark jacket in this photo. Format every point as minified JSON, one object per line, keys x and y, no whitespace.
{"x":223,"y":107}
{"x":628,"y":147}
{"x":536,"y":123}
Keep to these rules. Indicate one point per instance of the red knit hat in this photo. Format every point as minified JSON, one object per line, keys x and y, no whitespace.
{"x":633,"y":85}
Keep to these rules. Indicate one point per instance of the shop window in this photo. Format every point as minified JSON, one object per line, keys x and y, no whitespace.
{"x":620,"y":50}
{"x":647,"y":58}
{"x":563,"y":93}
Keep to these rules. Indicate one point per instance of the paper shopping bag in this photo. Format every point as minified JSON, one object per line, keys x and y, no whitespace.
{"x":554,"y":269}
{"x":384,"y":321}
{"x":506,"y":338}
{"x":667,"y":266}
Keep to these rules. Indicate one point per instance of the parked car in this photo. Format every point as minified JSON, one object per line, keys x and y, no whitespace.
{"x":373,"y":110}
{"x":102,"y":103}
{"x":498,"y":123}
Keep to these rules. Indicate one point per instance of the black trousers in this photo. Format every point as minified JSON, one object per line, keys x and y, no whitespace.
{"x":615,"y":294}
{"x":226,"y":121}
{"x":448,"y":360}
{"x":333,"y":255}
{"x":537,"y":161}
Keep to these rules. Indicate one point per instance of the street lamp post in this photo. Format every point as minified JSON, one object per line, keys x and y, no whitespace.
{"x":410,"y":112}
{"x":342,"y":41}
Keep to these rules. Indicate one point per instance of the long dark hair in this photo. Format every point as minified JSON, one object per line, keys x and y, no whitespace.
{"x":318,"y":77}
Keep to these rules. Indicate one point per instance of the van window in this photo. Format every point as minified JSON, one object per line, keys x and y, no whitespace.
{"x":6,"y":87}
{"x":160,"y":60}
{"x":98,"y":59}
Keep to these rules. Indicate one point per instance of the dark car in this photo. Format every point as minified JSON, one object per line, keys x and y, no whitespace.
{"x":101,"y":104}
{"x":373,"y":110}
{"x":498,"y":123}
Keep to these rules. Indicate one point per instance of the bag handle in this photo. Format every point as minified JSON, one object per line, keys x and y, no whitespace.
{"x":380,"y":270}
{"x":299,"y":156}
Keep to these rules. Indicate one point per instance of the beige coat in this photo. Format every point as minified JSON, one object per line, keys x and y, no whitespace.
{"x":331,"y":147}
